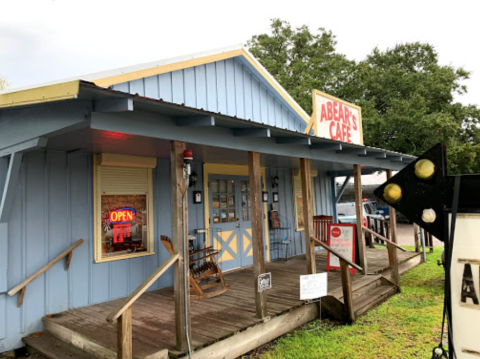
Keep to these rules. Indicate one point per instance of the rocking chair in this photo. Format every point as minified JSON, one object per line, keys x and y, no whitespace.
{"x":207,"y":269}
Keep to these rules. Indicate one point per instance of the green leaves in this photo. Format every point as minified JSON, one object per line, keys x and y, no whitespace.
{"x":407,"y":97}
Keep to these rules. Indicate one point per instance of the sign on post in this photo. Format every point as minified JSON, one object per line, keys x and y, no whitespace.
{"x":341,"y":238}
{"x":336,"y":119}
{"x":313,"y":286}
{"x":264,"y":281}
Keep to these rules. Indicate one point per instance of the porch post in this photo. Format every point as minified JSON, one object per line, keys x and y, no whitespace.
{"x":392,"y":251}
{"x":257,"y":230}
{"x":393,"y":216}
{"x":357,"y":176}
{"x":182,"y":294}
{"x":308,"y":214}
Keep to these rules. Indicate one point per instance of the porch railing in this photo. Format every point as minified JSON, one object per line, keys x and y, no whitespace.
{"x":22,"y":287}
{"x":123,"y":313}
{"x":392,"y":255}
{"x":346,"y":281}
{"x":378,"y":225}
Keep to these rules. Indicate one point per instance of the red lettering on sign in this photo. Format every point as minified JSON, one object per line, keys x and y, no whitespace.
{"x":335,"y":111}
{"x":336,"y":232}
{"x":339,"y":133}
{"x":332,"y":125}
{"x":349,"y":135}
{"x":120,"y":232}
{"x":122,"y":215}
{"x":340,"y":113}
{"x":329,"y":111}
{"x":324,"y":114}
{"x":354,"y":122}
{"x":347,"y":115}
{"x":344,"y":132}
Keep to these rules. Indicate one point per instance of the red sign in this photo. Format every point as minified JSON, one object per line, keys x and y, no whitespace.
{"x":122,"y":215}
{"x":336,"y":232}
{"x":120,"y":232}
{"x":341,"y":238}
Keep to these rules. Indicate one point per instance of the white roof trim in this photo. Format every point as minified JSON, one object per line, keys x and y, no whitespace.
{"x":128,"y":69}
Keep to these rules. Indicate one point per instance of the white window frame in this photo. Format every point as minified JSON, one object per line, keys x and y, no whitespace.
{"x":114,"y":160}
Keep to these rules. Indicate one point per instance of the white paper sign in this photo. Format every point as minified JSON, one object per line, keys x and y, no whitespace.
{"x":465,"y":282}
{"x":337,"y":119}
{"x":313,"y":286}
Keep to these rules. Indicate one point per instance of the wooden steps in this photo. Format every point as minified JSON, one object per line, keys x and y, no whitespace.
{"x":368,"y":293}
{"x":53,"y":348}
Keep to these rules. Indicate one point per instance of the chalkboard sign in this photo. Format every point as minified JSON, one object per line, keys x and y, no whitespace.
{"x":274,"y":219}
{"x":341,"y":238}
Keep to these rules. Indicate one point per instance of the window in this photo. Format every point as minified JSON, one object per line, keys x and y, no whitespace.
{"x":123,"y":211}
{"x":298,"y":198}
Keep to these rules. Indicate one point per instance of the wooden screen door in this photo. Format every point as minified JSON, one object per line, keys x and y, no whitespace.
{"x":230,"y":224}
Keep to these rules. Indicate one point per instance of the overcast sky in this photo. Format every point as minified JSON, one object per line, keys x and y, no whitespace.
{"x":45,"y":40}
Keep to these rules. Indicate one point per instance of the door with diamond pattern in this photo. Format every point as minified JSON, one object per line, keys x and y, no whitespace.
{"x":230,"y":224}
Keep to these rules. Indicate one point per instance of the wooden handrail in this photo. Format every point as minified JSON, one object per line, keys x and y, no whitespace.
{"x":334,"y":252}
{"x":22,"y":286}
{"x":383,"y":238}
{"x":114,"y":315}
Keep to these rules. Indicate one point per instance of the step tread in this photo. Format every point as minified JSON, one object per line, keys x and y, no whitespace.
{"x":53,"y":348}
{"x":373,"y":298}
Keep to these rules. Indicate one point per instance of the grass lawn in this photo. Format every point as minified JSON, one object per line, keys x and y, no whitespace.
{"x":406,"y":326}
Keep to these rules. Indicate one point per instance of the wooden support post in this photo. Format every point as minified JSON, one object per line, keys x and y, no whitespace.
{"x":21,"y":295}
{"x":68,"y":260}
{"x":362,"y":252}
{"x":418,"y":245}
{"x":392,"y":251}
{"x":347,"y":291}
{"x":370,"y":237}
{"x":308,"y":213}
{"x":257,"y":230}
{"x":182,"y":296}
{"x":124,"y":335}
{"x":393,"y":216}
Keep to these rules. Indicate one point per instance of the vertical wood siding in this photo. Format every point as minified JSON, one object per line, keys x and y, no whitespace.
{"x":225,"y":86}
{"x":285,"y":206}
{"x":53,"y":209}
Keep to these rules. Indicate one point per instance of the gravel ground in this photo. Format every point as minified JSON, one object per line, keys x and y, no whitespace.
{"x":405,"y":236}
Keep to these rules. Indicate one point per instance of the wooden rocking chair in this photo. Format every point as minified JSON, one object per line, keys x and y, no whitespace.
{"x":207,"y":269}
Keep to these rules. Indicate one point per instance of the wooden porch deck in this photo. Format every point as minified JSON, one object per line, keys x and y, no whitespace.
{"x":213,"y":319}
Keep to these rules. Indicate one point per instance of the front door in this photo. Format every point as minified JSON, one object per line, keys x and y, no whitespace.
{"x":230,"y":224}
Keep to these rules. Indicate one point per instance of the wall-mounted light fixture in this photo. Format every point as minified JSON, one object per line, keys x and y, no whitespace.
{"x":275,"y":182}
{"x":193,"y":179}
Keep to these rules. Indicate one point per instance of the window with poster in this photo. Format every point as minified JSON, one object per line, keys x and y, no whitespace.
{"x":123,"y":211}
{"x":298,"y":198}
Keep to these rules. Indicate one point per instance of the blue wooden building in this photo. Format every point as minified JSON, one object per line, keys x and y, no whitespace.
{"x":73,"y":152}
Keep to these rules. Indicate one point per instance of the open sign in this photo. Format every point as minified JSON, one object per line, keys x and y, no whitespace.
{"x":122,"y":215}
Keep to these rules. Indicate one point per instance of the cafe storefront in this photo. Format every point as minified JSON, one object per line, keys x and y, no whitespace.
{"x":101,"y":158}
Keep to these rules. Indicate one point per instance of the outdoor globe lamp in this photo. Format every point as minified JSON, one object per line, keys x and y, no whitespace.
{"x":392,"y":193}
{"x":424,"y":169}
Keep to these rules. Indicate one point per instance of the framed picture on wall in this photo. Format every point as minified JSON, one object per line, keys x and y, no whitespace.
{"x":265,"y":196}
{"x":275,"y":196}
{"x":197,"y":197}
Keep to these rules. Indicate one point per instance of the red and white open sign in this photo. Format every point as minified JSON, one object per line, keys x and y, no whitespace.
{"x":341,"y":238}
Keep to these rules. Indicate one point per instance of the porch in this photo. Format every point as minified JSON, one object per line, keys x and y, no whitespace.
{"x":225,"y":326}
